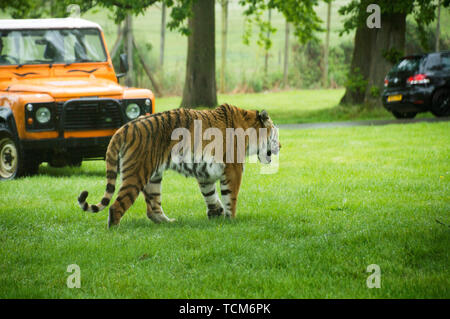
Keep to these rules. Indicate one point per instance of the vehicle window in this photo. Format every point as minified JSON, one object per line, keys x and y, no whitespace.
{"x":93,"y":48}
{"x":51,"y":46}
{"x":445,"y":60}
{"x":433,"y":62}
{"x":408,"y":65}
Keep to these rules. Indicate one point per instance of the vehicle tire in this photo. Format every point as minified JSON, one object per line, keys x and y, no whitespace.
{"x":404,"y":115}
{"x":9,"y":158}
{"x":11,"y":164}
{"x":441,"y":103}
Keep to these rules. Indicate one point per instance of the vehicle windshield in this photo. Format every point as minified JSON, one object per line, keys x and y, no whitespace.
{"x":407,"y":65}
{"x":51,"y":46}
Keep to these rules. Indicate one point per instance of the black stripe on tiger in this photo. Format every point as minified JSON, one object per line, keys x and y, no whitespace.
{"x":110,"y":174}
{"x":225,"y":192}
{"x":83,"y":196}
{"x":209,"y":194}
{"x":110,"y":188}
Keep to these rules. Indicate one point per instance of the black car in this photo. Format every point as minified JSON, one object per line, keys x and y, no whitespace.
{"x":419,"y":83}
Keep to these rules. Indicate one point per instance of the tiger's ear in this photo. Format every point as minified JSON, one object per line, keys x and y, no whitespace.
{"x":263,"y":116}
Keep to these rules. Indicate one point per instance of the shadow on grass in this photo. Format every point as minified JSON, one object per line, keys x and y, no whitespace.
{"x":46,"y":170}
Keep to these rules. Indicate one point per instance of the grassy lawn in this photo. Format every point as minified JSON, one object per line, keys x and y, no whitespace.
{"x":296,"y":106}
{"x":342,"y":199}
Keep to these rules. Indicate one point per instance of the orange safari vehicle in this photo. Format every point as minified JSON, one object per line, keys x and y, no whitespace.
{"x":60,"y":99}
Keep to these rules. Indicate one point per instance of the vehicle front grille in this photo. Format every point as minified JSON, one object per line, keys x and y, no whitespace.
{"x":90,"y":114}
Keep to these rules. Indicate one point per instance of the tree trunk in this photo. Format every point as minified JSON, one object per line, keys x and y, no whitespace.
{"x":224,"y":44}
{"x":116,"y":45}
{"x":438,"y":26}
{"x":163,"y":36}
{"x":200,"y":83}
{"x":391,"y":36}
{"x":286,"y":55}
{"x":129,"y":49}
{"x":266,"y":58}
{"x":360,"y":66}
{"x":147,"y":69}
{"x":326,"y":49}
{"x":369,"y":62}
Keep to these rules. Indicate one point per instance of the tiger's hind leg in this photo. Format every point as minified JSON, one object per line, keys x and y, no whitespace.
{"x":128,"y":193}
{"x":152,"y":194}
{"x":213,"y":204}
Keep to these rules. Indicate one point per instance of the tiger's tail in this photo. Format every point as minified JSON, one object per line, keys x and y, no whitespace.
{"x":112,"y":160}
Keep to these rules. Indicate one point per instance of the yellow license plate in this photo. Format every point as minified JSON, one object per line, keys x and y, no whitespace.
{"x":394,"y":98}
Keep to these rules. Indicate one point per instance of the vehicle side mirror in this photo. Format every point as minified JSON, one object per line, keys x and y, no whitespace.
{"x":123,"y":58}
{"x":123,"y":63}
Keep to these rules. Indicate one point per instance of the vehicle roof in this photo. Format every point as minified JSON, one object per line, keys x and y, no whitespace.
{"x":54,"y":23}
{"x":413,"y":56}
{"x":416,"y":56}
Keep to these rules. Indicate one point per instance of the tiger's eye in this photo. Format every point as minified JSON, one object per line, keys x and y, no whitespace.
{"x":269,"y":153}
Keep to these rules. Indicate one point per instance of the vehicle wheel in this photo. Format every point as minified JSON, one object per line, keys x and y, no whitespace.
{"x":9,"y":158}
{"x":441,"y":103}
{"x":11,"y":165}
{"x":404,"y":115}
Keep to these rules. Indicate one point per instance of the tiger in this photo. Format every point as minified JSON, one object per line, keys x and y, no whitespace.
{"x":141,"y":151}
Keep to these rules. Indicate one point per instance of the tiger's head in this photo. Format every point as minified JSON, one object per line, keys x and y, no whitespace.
{"x":261,"y":134}
{"x":268,"y":144}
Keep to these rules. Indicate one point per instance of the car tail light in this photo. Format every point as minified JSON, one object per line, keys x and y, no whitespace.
{"x":418,"y":79}
{"x":386,"y":82}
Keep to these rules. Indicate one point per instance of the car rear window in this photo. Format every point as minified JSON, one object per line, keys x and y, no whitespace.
{"x":434,"y":62}
{"x":407,"y":65}
{"x":445,"y":60}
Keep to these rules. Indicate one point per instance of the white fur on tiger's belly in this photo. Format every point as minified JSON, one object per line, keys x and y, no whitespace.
{"x":203,"y":171}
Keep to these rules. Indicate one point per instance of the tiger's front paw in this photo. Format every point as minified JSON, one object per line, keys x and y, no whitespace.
{"x":215,"y":212}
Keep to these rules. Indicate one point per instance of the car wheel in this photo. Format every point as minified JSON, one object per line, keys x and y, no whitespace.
{"x":404,"y":115}
{"x":9,"y":158}
{"x":11,"y":165}
{"x":441,"y":103}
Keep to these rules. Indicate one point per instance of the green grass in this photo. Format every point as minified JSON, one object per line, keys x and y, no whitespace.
{"x":342,"y":199}
{"x":296,"y":106}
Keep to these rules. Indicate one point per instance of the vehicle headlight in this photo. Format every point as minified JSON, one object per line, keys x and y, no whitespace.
{"x":43,"y":115}
{"x":133,"y":111}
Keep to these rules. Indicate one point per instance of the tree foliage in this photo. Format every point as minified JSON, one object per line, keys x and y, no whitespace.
{"x":300,"y":14}
{"x":33,"y":9}
{"x":423,"y":11}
